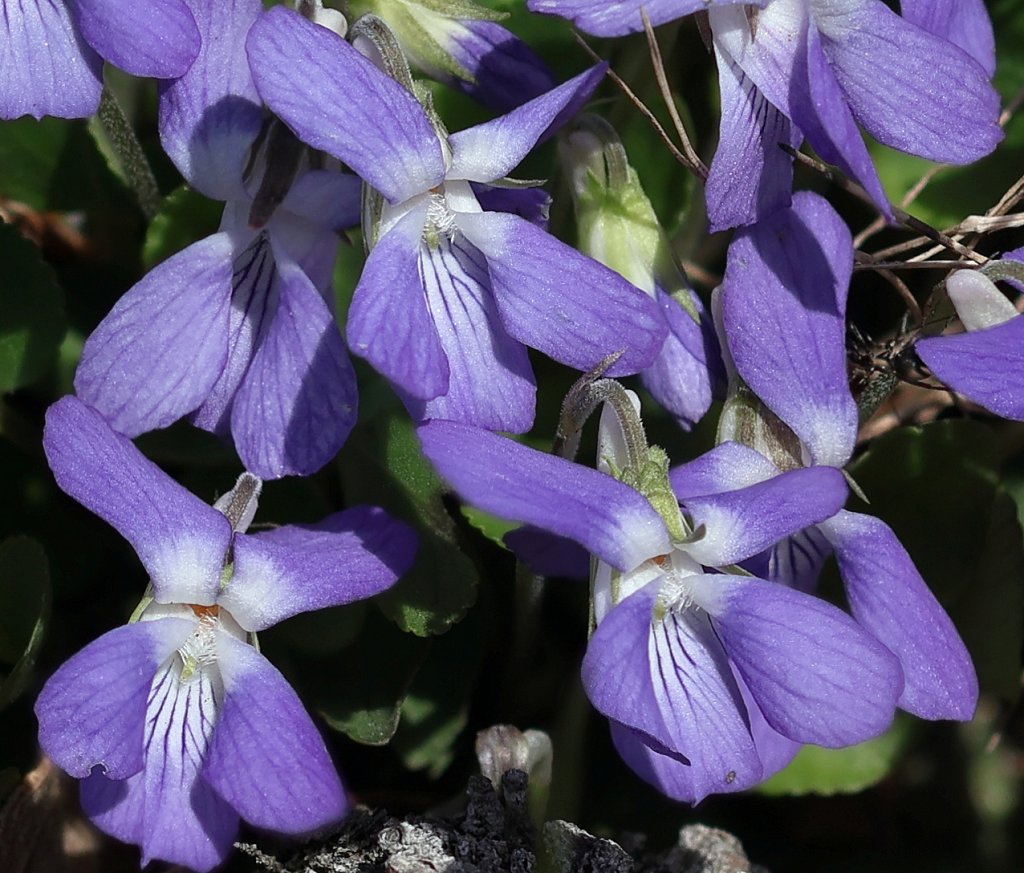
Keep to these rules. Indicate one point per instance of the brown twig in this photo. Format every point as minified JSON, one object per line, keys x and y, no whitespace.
{"x":696,"y":164}
{"x":637,"y":102}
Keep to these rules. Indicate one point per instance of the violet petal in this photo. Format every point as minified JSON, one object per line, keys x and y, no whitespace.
{"x":92,"y":711}
{"x":816,"y":675}
{"x":162,"y":347}
{"x":339,"y":102}
{"x":501,"y":476}
{"x":266,"y":758}
{"x":348,"y":556}
{"x":567,"y":305}
{"x":890,"y":601}
{"x":389,"y":320}
{"x":180,"y":539}
{"x":297,"y":402}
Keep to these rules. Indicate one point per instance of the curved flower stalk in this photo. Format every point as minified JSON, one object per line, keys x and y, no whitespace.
{"x":983,"y":363}
{"x":618,"y":227}
{"x":710,"y":679}
{"x":451,"y":295}
{"x":52,"y":51}
{"x":176,"y":724}
{"x":461,"y":43}
{"x":783,"y":311}
{"x":816,"y":69}
{"x":236,"y":331}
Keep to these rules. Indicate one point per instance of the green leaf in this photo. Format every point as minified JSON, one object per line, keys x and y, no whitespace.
{"x":24,"y":611}
{"x":362,"y":694}
{"x":436,"y":709}
{"x":53,"y":164}
{"x":815,"y":770}
{"x":382,"y":464}
{"x":32,"y":319}
{"x":184,"y":217}
{"x":490,"y":526}
{"x":938,"y":488}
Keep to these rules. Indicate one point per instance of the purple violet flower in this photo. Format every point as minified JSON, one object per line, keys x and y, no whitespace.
{"x":790,"y":69}
{"x":175,"y":722}
{"x":451,"y":295}
{"x":711,"y":679}
{"x":237,"y":330}
{"x":984,"y":362}
{"x":783,"y":311}
{"x":52,"y":51}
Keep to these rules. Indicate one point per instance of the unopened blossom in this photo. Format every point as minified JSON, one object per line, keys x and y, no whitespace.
{"x":711,"y":680}
{"x":175,"y":722}
{"x":236,"y":331}
{"x":618,"y":227}
{"x":984,"y":362}
{"x":818,"y":69}
{"x":783,"y":316}
{"x":52,"y":51}
{"x":451,"y":294}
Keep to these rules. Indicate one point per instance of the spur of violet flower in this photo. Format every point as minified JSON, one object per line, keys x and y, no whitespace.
{"x":176,"y":724}
{"x":450,"y":294}
{"x":237,"y":331}
{"x":52,"y":51}
{"x":711,"y":680}
{"x":782,"y":307}
{"x":816,"y":69}
{"x":984,"y":362}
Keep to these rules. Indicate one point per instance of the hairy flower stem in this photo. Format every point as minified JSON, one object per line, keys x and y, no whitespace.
{"x":129,"y":154}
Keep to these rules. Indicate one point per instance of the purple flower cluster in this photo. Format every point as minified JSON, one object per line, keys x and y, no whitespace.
{"x":711,"y":655}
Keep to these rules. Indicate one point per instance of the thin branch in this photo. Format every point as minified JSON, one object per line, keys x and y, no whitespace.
{"x":697,"y":165}
{"x":899,"y":215}
{"x":638,"y":103}
{"x":907,"y":265}
{"x":864,"y":260}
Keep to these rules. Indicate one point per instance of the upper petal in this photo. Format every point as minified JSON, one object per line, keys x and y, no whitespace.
{"x":610,"y":519}
{"x":339,"y":102}
{"x":618,"y":17}
{"x":561,"y":302}
{"x":159,"y":38}
{"x":92,"y":711}
{"x":348,"y":556}
{"x":890,"y":601}
{"x":210,"y":116}
{"x":726,"y":467}
{"x":784,"y":309}
{"x":162,"y":347}
{"x":494,"y":149}
{"x":266,"y":758}
{"x":817,"y":677}
{"x":911,"y":90}
{"x":46,"y":68}
{"x":180,"y":540}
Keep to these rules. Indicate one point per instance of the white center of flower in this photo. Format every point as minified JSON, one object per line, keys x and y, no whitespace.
{"x":440,"y":218}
